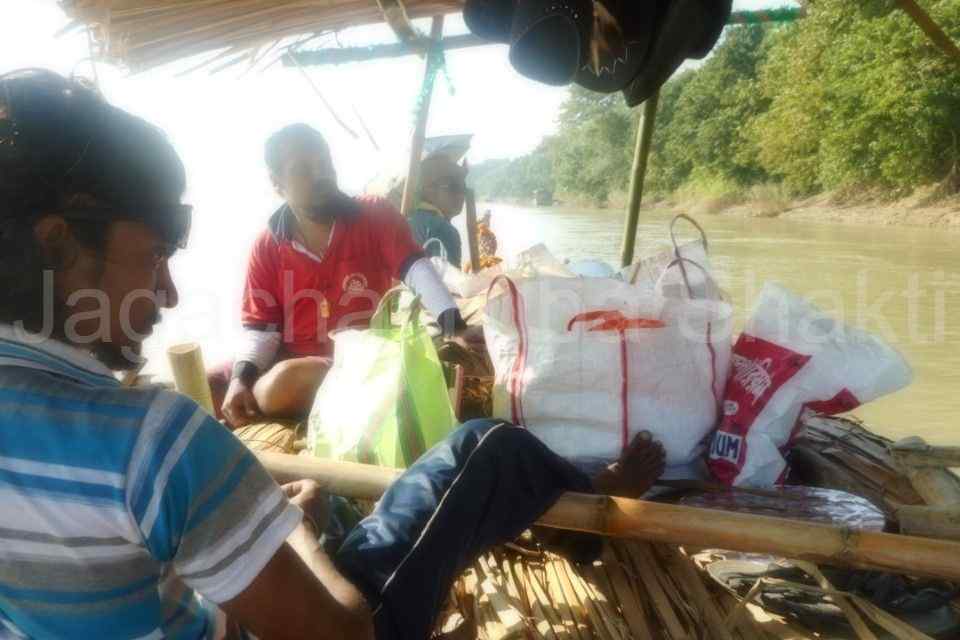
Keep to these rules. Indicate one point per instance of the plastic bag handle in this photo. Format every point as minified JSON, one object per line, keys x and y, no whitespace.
{"x":382,"y":318}
{"x":673,"y":233}
{"x":443,"y":248}
{"x":676,"y":245}
{"x":679,"y":262}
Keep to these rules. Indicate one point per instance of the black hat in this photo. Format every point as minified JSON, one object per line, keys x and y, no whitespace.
{"x":684,"y":29}
{"x":619,"y":45}
{"x":548,"y":38}
{"x":65,"y":149}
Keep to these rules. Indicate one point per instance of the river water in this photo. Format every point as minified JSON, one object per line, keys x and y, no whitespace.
{"x":901,"y":283}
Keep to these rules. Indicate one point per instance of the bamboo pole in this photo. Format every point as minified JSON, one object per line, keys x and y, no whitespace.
{"x":910,"y":453}
{"x":332,"y":55}
{"x":936,"y":485}
{"x":411,"y":186}
{"x":929,"y":522}
{"x":473,"y":244}
{"x":639,"y":176}
{"x":931,"y":28}
{"x":189,"y":374}
{"x":674,"y":524}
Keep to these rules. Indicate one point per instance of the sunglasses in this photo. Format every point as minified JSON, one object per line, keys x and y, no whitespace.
{"x":451,"y":185}
{"x":171,"y":222}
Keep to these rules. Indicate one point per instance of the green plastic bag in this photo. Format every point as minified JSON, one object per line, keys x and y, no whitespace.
{"x":385,"y":400}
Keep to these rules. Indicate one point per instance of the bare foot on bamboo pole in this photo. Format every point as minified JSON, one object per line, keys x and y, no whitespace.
{"x":641,"y":464}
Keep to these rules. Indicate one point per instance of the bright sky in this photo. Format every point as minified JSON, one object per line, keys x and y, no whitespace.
{"x":218,"y":124}
{"x":207,"y":115}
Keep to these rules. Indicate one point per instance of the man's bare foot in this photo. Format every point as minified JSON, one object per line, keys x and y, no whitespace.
{"x":636,"y":470}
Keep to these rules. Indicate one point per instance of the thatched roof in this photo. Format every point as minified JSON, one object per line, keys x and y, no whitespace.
{"x":147,"y":33}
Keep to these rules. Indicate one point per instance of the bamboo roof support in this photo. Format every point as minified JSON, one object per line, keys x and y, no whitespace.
{"x":473,"y":241}
{"x":337,"y":55}
{"x":674,"y":524}
{"x":395,"y":15}
{"x":931,"y":28}
{"x":639,"y":176}
{"x":412,"y":184}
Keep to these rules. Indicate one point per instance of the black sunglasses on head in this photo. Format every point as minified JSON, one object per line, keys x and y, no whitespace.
{"x":171,"y":222}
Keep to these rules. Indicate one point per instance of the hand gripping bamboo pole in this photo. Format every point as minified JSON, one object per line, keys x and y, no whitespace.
{"x":641,"y":520}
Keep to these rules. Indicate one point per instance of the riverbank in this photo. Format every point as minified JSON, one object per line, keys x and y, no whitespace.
{"x":927,"y":207}
{"x":924,"y":208}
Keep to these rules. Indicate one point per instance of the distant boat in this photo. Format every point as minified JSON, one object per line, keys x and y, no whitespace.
{"x":543,"y":198}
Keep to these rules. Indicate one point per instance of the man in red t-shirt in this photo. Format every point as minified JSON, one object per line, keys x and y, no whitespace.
{"x":322,"y":264}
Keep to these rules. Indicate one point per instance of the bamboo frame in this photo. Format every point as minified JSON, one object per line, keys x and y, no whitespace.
{"x":930,"y":522}
{"x":931,"y":28}
{"x":639,"y":177}
{"x":911,"y":453}
{"x":473,"y":243}
{"x":936,"y":484}
{"x":412,"y":184}
{"x":148,"y":33}
{"x":680,"y":525}
{"x":378,"y":52}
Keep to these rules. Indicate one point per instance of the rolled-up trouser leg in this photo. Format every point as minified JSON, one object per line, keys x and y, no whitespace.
{"x":480,"y":487}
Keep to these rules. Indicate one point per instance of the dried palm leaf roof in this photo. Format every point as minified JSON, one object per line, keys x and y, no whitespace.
{"x":147,"y":33}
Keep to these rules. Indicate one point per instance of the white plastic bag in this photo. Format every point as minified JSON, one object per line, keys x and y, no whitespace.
{"x":793,"y":358}
{"x":653,"y":274}
{"x":587,"y":363}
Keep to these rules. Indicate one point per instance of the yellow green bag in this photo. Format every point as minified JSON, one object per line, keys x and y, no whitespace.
{"x":385,"y":399}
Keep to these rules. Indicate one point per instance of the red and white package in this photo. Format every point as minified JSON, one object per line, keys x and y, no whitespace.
{"x":792,"y":359}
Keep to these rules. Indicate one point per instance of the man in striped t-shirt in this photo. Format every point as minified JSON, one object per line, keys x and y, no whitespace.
{"x":130,"y":513}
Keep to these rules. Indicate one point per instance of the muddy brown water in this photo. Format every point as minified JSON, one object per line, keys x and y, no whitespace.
{"x":898,"y":282}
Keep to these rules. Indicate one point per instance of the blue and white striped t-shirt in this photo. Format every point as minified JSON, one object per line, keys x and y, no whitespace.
{"x":124,"y":513}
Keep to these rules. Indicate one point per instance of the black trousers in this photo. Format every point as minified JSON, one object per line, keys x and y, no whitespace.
{"x":482,"y":486}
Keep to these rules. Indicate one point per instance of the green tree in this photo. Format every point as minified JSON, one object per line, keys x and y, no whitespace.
{"x":592,"y":150}
{"x":706,"y":127}
{"x":860,"y":97}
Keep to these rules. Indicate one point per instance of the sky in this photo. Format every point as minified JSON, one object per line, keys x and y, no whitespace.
{"x":206,"y":114}
{"x":219,"y":122}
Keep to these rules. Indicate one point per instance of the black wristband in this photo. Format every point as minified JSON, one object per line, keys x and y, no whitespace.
{"x":451,"y":322}
{"x":245,"y":372}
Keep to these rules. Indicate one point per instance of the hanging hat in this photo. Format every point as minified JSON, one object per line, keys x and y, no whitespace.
{"x":548,"y":39}
{"x":489,"y":19}
{"x":619,"y":44}
{"x":685,"y":29}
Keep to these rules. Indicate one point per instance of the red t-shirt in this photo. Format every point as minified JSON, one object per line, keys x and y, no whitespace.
{"x":289,"y":291}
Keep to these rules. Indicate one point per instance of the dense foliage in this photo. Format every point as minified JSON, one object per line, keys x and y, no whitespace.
{"x":855,"y":95}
